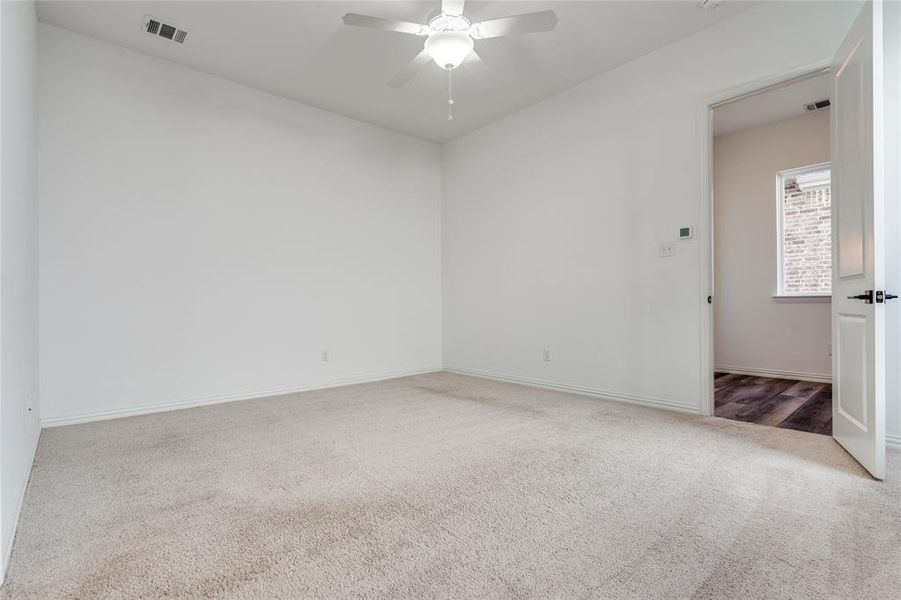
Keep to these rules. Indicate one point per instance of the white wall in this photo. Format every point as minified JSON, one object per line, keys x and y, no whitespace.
{"x":892,"y":71}
{"x":753,"y":331}
{"x":551,"y":217}
{"x":19,"y":421}
{"x":201,"y":240}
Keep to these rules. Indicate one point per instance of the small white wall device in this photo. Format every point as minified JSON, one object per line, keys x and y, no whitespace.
{"x":686,"y":233}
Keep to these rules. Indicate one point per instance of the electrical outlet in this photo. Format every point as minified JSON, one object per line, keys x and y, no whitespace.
{"x":324,"y":356}
{"x":666,"y":249}
{"x":547,"y":355}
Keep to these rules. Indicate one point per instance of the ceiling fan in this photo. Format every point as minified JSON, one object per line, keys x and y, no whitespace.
{"x":450,"y":37}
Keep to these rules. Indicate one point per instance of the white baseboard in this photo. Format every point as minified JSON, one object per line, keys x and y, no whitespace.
{"x":145,"y":409}
{"x":893,"y":441}
{"x":8,"y":549}
{"x":815,"y":377}
{"x":585,"y":391}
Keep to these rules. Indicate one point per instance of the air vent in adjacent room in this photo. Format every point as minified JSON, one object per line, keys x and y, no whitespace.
{"x":818,"y":105}
{"x":157,"y":28}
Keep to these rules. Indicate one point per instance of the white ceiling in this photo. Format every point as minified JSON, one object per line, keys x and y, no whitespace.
{"x":302,"y":50}
{"x":770,"y":106}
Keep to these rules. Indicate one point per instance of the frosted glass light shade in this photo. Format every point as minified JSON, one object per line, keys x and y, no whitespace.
{"x":448,"y":48}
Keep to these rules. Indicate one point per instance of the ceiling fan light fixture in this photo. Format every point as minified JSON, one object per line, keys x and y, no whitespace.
{"x":448,"y":48}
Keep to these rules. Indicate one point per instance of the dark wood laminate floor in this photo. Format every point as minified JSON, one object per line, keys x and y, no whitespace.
{"x":802,"y":405}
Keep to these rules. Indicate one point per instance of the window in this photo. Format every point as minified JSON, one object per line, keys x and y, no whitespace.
{"x":805,"y":232}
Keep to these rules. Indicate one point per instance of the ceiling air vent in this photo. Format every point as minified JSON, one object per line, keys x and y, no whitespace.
{"x":157,"y":28}
{"x":818,"y":105}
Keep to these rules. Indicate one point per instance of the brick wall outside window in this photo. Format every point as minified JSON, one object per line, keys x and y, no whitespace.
{"x":806,"y":239}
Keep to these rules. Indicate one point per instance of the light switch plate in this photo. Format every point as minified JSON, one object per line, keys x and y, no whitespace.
{"x":666,"y":249}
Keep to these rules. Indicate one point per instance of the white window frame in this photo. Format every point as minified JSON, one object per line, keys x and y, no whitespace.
{"x":781,"y":295}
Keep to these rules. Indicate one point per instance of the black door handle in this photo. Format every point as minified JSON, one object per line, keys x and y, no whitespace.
{"x":867,"y":296}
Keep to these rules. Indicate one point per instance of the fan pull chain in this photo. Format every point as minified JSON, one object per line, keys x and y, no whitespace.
{"x":450,"y":95}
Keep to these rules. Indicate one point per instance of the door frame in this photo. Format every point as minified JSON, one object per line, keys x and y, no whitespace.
{"x":705,"y":218}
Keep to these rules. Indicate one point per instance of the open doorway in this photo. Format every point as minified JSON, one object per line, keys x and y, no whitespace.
{"x":773,"y":256}
{"x":864,"y":115}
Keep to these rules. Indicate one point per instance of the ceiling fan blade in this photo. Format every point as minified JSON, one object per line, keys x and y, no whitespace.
{"x":452,"y":7}
{"x":358,"y":20}
{"x":473,"y":62}
{"x":413,"y":67}
{"x":534,"y":22}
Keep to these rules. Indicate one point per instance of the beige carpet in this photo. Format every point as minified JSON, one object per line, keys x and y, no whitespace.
{"x":443,"y":486}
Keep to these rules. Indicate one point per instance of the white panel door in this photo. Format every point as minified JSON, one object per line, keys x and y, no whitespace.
{"x":858,"y":308}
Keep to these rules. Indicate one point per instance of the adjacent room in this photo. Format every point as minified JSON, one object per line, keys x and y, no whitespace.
{"x":773,"y":256}
{"x":450,"y":299}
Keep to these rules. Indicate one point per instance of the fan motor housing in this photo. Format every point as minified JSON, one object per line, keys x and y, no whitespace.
{"x":444,"y":22}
